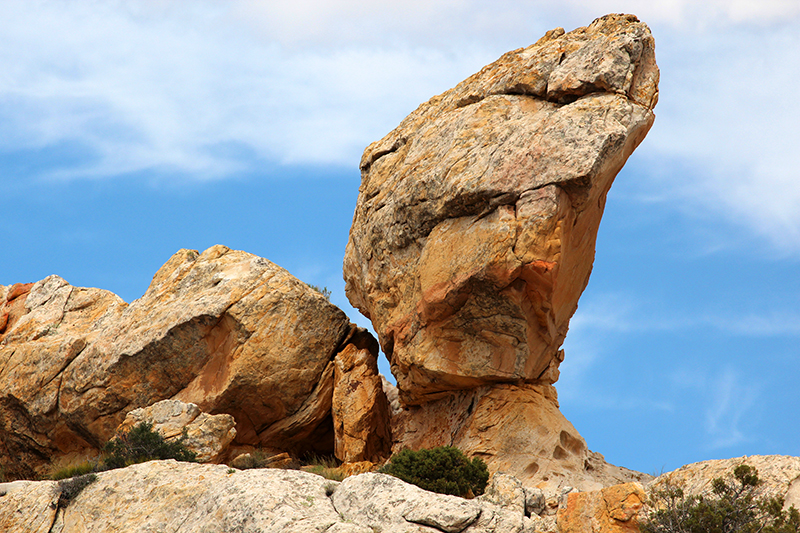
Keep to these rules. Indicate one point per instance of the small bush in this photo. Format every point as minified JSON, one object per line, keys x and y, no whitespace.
{"x":142,"y":444}
{"x":735,"y":505}
{"x":445,"y":470}
{"x":324,"y":291}
{"x":68,"y":489}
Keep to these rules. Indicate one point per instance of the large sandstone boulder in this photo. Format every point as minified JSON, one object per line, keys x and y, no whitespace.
{"x":228,"y":331}
{"x":610,"y":510}
{"x":474,"y":230}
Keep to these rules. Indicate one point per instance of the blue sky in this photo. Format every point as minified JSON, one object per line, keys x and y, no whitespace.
{"x":129,"y":130}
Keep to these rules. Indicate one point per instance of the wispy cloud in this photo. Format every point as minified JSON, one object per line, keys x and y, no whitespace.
{"x":210,"y":89}
{"x":726,"y":399}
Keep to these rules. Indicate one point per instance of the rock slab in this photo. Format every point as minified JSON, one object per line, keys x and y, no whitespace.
{"x":187,"y":497}
{"x":206,"y":435}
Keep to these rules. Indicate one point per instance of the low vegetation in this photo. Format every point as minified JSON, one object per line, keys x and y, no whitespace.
{"x":68,"y":489}
{"x":735,"y":505}
{"x":327,"y":467}
{"x":444,"y":469}
{"x":324,"y":291}
{"x":142,"y":444}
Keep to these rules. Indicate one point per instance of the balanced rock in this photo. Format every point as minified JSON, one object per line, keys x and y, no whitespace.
{"x":475,"y":225}
{"x":225,"y":330}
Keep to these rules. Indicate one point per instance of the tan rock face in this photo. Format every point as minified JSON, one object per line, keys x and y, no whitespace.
{"x":206,"y":435}
{"x":779,"y":475}
{"x":360,"y":409}
{"x":228,"y":331}
{"x":610,"y":510}
{"x":516,"y":430}
{"x":474,"y":230}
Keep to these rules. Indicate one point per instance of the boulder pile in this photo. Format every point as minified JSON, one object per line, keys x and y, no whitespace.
{"x":472,"y":240}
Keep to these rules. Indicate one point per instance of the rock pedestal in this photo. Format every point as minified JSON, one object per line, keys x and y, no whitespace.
{"x":474,"y":233}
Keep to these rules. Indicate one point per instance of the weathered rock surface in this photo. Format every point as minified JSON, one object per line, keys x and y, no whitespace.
{"x":172,"y":496}
{"x":780,"y":476}
{"x":206,"y":435}
{"x":474,"y":230}
{"x":516,"y":429}
{"x":609,"y":510}
{"x":360,"y":409}
{"x":228,"y":331}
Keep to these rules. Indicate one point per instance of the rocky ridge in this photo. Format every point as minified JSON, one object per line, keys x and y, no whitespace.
{"x":228,"y":331}
{"x":172,"y":496}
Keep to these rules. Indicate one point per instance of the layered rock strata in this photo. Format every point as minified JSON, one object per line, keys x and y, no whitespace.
{"x":228,"y":331}
{"x":473,"y":238}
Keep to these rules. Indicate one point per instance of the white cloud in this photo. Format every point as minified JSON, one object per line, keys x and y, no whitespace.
{"x":212,"y":88}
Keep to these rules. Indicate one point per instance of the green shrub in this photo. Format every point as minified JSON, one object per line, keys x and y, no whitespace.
{"x":735,"y":505}
{"x":142,"y":444}
{"x":324,"y":291}
{"x":445,"y":470}
{"x":68,"y":489}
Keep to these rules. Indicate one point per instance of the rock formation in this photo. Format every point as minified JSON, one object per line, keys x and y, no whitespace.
{"x":610,"y":510}
{"x":473,"y":238}
{"x":228,"y":331}
{"x":779,"y":474}
{"x":172,"y":496}
{"x":206,"y":435}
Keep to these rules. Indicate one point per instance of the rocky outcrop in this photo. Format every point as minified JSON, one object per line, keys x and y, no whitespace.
{"x":206,"y":435}
{"x":516,"y":429}
{"x":779,"y":475}
{"x":473,"y":238}
{"x":360,"y":409}
{"x":228,"y":331}
{"x":618,"y":508}
{"x":474,"y":229}
{"x":172,"y":496}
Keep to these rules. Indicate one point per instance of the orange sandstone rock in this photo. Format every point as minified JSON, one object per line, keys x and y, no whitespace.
{"x":610,"y":510}
{"x":228,"y":331}
{"x":474,"y":230}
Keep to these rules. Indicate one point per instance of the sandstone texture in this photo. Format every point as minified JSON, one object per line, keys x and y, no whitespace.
{"x":610,"y":510}
{"x":779,"y":474}
{"x":473,"y":238}
{"x":516,"y":429}
{"x":206,"y":435}
{"x":474,"y":231}
{"x":186,"y":497}
{"x":225,"y":330}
